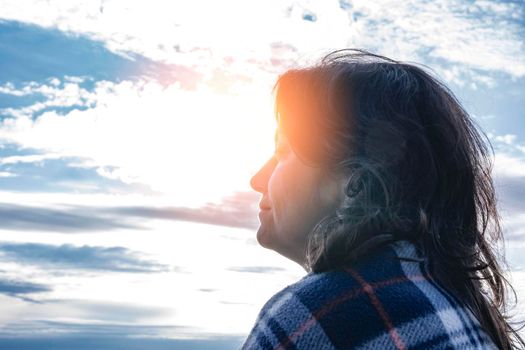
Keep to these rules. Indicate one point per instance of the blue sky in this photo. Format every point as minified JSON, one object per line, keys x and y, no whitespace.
{"x":129,"y":132}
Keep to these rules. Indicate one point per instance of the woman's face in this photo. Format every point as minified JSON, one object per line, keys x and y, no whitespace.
{"x":295,"y":198}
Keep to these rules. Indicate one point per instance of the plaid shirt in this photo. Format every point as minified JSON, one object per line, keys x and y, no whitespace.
{"x":380,"y":303}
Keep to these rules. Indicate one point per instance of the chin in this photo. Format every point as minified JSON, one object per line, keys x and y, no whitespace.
{"x":263,"y":238}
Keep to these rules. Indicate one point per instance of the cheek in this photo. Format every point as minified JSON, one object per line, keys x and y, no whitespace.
{"x":291,"y":191}
{"x":281,"y":189}
{"x":277,"y":188}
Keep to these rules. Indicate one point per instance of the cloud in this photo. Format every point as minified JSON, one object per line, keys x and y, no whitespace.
{"x":509,"y":166}
{"x":82,"y":341}
{"x":256,"y":269}
{"x":237,"y":210}
{"x":57,"y":335}
{"x":490,"y":34}
{"x":23,"y":218}
{"x":511,"y":192}
{"x":115,"y":259}
{"x":508,"y":139}
{"x":143,"y":131}
{"x":27,"y":158}
{"x":19,"y":289}
{"x":6,"y":174}
{"x":143,"y":126}
{"x":45,"y":97}
{"x":489,"y":40}
{"x":110,"y":312}
{"x":509,"y":182}
{"x":55,"y":173}
{"x":55,"y":54}
{"x":514,"y":226}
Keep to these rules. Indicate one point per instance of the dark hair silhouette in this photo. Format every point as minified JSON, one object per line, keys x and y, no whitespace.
{"x":416,"y":167}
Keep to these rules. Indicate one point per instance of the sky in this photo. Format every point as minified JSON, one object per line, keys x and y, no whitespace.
{"x":129,"y":131}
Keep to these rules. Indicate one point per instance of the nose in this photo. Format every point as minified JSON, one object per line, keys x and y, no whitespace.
{"x":259,"y":181}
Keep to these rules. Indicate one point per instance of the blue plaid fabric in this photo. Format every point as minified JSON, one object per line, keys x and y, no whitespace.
{"x":382,"y":302}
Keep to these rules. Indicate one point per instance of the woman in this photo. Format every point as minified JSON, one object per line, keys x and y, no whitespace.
{"x":381,"y":189}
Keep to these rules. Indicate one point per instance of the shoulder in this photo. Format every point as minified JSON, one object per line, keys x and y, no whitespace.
{"x":286,"y":321}
{"x":318,"y":311}
{"x":386,"y":301}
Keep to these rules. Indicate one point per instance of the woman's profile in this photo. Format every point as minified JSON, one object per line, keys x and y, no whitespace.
{"x":381,"y":189}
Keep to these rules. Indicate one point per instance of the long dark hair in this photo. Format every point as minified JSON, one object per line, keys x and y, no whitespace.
{"x":416,"y":167}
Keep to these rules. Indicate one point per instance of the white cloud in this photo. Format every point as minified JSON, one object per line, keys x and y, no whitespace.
{"x":508,"y":147}
{"x":482,"y":35}
{"x":9,"y":89}
{"x":73,"y":79}
{"x":6,"y":174}
{"x":509,"y":181}
{"x":28,"y":158}
{"x":457,"y":74}
{"x":507,"y":165}
{"x":68,"y":95}
{"x":508,"y":139}
{"x":514,"y":226}
{"x":195,"y":145}
{"x":459,"y":33}
{"x":181,"y":245}
{"x":506,"y":9}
